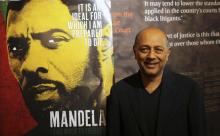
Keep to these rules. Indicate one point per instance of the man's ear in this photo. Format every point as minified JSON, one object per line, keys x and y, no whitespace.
{"x":134,"y":50}
{"x":168,"y":53}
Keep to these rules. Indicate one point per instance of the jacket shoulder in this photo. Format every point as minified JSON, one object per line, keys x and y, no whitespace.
{"x":184,"y":81}
{"x":129,"y":82}
{"x":184,"y":78}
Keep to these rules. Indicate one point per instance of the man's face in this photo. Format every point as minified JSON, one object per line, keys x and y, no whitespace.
{"x":46,"y":60}
{"x":151,"y":51}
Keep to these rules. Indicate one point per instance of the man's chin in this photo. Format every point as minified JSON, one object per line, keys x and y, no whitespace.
{"x":39,"y":110}
{"x":151,"y":72}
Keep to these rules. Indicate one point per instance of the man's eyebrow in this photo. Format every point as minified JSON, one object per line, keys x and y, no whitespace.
{"x":158,"y":46}
{"x":144,"y":45}
{"x":21,"y":40}
{"x":11,"y":39}
{"x":148,"y":46}
{"x":48,"y":33}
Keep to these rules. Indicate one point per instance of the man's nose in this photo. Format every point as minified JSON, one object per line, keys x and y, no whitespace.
{"x":35,"y":60}
{"x":151,"y":54}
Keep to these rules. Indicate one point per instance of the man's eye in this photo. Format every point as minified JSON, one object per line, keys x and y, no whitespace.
{"x":52,"y":39}
{"x":144,"y":50}
{"x":59,"y":39}
{"x":17,"y":47}
{"x":159,"y":50}
{"x":54,"y":42}
{"x":16,"y":51}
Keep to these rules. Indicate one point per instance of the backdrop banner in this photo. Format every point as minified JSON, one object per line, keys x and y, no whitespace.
{"x":194,"y":37}
{"x":56,"y":67}
{"x":56,"y":61}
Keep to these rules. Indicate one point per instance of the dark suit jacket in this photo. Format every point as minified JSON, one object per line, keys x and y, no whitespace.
{"x":181,"y":109}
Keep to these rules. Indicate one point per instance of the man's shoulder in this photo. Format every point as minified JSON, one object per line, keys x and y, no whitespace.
{"x":183,"y":80}
{"x":131,"y":81}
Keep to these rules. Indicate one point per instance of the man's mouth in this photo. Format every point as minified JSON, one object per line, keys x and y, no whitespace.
{"x":45,"y":91}
{"x":151,"y":64}
{"x":40,"y":88}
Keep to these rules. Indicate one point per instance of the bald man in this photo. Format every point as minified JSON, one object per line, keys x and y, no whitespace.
{"x":155,"y":101}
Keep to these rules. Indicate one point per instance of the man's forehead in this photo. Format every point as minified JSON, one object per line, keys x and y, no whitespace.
{"x":35,"y":17}
{"x":38,"y":9}
{"x":152,"y":35}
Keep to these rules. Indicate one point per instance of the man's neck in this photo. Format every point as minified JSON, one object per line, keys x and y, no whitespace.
{"x":151,"y":83}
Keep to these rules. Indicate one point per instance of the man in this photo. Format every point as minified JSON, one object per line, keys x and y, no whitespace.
{"x":155,"y":101}
{"x":50,"y":64}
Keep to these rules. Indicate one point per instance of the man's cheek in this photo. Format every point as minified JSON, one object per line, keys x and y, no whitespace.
{"x":15,"y":66}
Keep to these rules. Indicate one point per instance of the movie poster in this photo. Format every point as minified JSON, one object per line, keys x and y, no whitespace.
{"x":194,"y":36}
{"x":56,"y":67}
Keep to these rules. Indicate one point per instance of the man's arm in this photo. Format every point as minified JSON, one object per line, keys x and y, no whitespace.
{"x":197,"y":121}
{"x":113,"y":114}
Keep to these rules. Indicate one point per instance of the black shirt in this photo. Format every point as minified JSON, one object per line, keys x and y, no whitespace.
{"x":149,"y":108}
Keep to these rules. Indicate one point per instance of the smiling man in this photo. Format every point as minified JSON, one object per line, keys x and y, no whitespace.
{"x":155,"y":101}
{"x":56,"y":71}
{"x":151,"y":52}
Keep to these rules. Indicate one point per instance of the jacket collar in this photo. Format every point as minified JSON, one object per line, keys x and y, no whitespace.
{"x":167,"y":99}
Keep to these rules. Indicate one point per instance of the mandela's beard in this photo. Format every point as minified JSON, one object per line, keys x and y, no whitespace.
{"x":76,"y":98}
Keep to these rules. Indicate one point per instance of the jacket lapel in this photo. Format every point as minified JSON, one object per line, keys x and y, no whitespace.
{"x":134,"y":102}
{"x":167,"y":99}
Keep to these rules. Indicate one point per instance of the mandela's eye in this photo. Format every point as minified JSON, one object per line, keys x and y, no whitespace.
{"x":55,"y":40}
{"x":17,"y":47}
{"x":14,"y":49}
{"x":52,"y":39}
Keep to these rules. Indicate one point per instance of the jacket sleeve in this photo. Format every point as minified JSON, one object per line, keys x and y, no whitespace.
{"x":196,"y":113}
{"x":113,"y":114}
